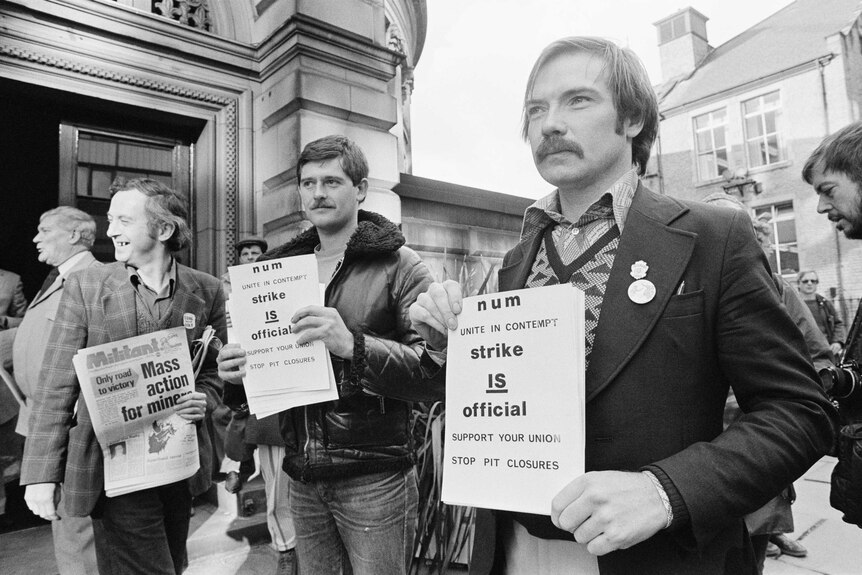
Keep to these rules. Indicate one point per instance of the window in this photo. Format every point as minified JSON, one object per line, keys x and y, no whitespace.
{"x":101,"y":158}
{"x":711,"y":144}
{"x":760,"y":118}
{"x":91,"y":158}
{"x":784,"y":252}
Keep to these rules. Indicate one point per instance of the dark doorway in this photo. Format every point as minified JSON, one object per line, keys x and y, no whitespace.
{"x":31,"y":155}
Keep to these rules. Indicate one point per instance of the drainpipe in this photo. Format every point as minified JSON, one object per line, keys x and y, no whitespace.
{"x":821,"y":65}
{"x":658,"y":156}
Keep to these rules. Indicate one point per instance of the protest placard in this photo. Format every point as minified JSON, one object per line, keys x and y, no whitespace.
{"x":515,"y":399}
{"x":280,"y":373}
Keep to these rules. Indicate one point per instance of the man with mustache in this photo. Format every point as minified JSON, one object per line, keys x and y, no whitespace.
{"x":353,"y":491}
{"x":680,"y":305}
{"x":835,"y":170}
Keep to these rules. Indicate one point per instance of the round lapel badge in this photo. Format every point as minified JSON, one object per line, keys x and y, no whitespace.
{"x":642,"y":291}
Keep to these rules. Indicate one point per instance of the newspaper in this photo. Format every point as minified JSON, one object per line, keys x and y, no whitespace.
{"x":130,"y":388}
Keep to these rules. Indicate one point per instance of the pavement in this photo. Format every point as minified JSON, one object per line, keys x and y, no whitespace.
{"x":223,"y":542}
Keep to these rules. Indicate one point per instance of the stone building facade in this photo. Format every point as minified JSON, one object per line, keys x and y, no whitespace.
{"x":214,"y":97}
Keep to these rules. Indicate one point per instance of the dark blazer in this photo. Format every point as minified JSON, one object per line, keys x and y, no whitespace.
{"x":98,"y":306}
{"x":658,"y":379}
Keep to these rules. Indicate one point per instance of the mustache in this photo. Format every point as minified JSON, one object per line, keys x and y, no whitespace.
{"x":555,"y":144}
{"x":320,"y":204}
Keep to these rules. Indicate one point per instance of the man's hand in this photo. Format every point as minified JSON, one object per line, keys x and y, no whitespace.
{"x":434,"y":313}
{"x":231,"y":363}
{"x":836,"y":349}
{"x":42,"y":499}
{"x":609,"y":510}
{"x":192,"y":406}
{"x":315,"y":322}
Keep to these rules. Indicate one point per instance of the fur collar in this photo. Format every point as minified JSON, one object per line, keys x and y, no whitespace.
{"x":374,"y":236}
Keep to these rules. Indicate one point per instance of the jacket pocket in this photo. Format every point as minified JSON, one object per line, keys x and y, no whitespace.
{"x":684,"y":305}
{"x":358,"y":421}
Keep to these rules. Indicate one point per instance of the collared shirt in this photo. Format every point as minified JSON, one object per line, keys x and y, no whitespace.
{"x":547,"y":210}
{"x":71,"y":262}
{"x":582,"y":252}
{"x":157,"y":305}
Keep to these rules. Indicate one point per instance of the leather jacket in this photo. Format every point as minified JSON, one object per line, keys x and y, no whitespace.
{"x":368,"y":429}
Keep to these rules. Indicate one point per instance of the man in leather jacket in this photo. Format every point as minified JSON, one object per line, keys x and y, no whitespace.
{"x":353,"y":491}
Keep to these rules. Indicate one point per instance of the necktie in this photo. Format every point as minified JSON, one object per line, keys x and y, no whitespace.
{"x":49,"y":281}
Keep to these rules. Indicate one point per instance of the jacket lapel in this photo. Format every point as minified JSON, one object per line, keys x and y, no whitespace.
{"x":514,"y":275}
{"x":57,"y":285}
{"x":624,"y":325}
{"x":84,"y":262}
{"x":187,"y":300}
{"x":118,"y":302}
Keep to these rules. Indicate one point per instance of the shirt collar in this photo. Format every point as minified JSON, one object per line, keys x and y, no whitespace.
{"x":70,"y":262}
{"x":137,"y":281}
{"x":547,"y":209}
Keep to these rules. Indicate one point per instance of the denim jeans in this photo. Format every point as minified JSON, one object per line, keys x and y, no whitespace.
{"x":362,"y":525}
{"x":143,"y":532}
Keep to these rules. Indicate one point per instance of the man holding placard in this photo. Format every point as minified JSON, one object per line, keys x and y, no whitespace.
{"x":679,"y":305}
{"x":353,"y":492}
{"x":145,"y":291}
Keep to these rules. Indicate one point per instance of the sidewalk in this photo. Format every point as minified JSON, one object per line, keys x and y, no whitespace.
{"x":834,"y":547}
{"x":216,"y":530}
{"x":221,"y":543}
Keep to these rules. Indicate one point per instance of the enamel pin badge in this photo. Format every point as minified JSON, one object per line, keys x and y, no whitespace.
{"x":189,"y":319}
{"x":642,"y":290}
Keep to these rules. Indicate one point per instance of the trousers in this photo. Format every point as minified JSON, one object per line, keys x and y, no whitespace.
{"x":362,"y":525}
{"x":144,"y":532}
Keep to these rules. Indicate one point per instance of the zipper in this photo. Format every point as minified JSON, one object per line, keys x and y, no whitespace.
{"x":307,"y":436}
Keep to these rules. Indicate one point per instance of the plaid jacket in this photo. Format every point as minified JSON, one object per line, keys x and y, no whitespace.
{"x":99,"y":306}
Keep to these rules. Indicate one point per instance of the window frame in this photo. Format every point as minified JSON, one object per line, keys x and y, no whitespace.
{"x":778,"y":247}
{"x":711,"y":128}
{"x":764,"y":137}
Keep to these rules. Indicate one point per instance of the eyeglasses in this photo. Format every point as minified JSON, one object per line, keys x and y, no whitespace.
{"x":809,"y":281}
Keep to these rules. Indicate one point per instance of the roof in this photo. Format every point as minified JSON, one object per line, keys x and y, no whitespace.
{"x":792,"y":36}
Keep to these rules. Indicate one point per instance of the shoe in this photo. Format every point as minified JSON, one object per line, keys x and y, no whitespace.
{"x":286,"y":563}
{"x":788,"y":546}
{"x":233,"y":482}
{"x":772,"y":550}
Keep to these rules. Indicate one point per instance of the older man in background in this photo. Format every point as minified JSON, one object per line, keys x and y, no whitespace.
{"x":64,"y":239}
{"x":827,"y":318}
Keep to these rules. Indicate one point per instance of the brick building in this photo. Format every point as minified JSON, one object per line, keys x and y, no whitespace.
{"x":744,"y":116}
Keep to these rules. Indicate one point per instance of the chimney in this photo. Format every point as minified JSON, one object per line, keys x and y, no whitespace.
{"x":682,"y":42}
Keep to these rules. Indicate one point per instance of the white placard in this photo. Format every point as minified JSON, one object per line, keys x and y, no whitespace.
{"x":264,"y":296}
{"x":515,"y":399}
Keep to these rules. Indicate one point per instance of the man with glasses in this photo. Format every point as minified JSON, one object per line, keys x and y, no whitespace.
{"x":823,"y":311}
